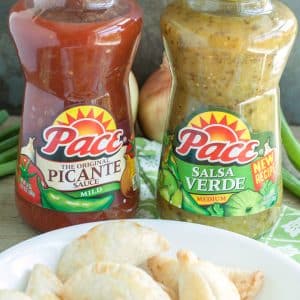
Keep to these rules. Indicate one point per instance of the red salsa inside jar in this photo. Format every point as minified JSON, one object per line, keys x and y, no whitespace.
{"x":77,"y":158}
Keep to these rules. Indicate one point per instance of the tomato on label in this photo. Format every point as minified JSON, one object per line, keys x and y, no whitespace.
{"x":27,"y":175}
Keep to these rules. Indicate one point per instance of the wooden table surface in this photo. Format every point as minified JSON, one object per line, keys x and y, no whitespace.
{"x":13,"y":230}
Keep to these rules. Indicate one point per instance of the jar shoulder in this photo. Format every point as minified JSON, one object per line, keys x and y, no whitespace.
{"x":280,"y":23}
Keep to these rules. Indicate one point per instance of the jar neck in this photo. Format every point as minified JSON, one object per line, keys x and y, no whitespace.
{"x":231,"y":7}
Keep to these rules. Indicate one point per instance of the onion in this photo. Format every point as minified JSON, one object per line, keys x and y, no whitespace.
{"x":134,"y":95}
{"x":154,"y":102}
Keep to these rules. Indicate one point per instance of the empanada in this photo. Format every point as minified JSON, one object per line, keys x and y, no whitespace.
{"x":165,"y":270}
{"x":249,"y":284}
{"x":13,"y":295}
{"x":120,"y":242}
{"x":192,"y":284}
{"x":170,"y":292}
{"x":200,"y":280}
{"x":112,"y":281}
{"x":43,"y":284}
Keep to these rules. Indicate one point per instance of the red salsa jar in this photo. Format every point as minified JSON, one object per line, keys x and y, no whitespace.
{"x":77,"y":158}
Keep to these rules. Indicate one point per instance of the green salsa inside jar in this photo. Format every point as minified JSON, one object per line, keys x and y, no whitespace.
{"x":221,"y":163}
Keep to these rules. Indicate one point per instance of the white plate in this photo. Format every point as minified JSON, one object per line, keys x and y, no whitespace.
{"x":219,"y":246}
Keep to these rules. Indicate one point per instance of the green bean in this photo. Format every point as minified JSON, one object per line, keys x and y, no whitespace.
{"x":3,"y":116}
{"x":8,"y":168}
{"x":9,"y":131}
{"x":10,"y":154}
{"x":9,"y":143}
{"x":290,"y":142}
{"x":291,"y":182}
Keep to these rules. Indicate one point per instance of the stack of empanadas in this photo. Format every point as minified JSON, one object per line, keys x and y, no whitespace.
{"x":123,"y":261}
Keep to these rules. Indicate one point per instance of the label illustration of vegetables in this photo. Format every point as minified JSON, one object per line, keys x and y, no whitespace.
{"x":216,"y":210}
{"x":269,"y":191}
{"x":190,"y":205}
{"x":244,"y":203}
{"x":53,"y":199}
{"x":172,"y":190}
{"x":27,"y":174}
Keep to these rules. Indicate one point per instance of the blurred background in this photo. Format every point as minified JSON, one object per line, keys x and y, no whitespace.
{"x":148,"y":59}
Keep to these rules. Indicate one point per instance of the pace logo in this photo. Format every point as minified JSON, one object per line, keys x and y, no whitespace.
{"x":83,"y":131}
{"x":217,"y":137}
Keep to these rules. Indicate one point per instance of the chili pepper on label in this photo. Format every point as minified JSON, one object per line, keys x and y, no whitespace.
{"x":95,"y":192}
{"x":51,"y":198}
{"x":190,"y":205}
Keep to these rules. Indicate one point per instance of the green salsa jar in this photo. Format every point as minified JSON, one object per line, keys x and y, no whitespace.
{"x":221,"y":163}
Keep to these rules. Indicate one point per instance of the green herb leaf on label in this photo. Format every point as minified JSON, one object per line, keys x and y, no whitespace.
{"x":269,"y":192}
{"x":216,"y":210}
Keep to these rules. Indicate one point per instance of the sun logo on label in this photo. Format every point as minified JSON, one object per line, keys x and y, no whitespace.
{"x":217,"y":137}
{"x":221,"y":126}
{"x":83,"y":131}
{"x":87,"y":120}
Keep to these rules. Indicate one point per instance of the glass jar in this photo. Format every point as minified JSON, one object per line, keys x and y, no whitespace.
{"x":221,"y":163}
{"x":77,"y":156}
